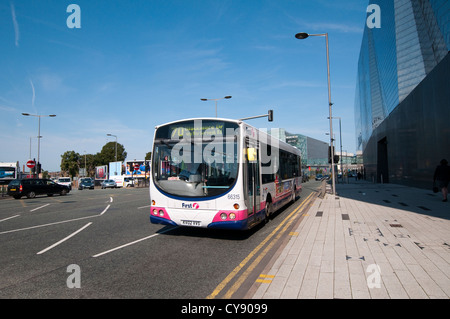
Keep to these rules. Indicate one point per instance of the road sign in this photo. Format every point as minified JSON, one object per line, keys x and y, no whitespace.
{"x":31,"y":164}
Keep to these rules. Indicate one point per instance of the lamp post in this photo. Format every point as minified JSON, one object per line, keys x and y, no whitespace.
{"x":38,"y":165}
{"x":116,"y":143}
{"x":226,"y":97}
{"x":301,"y":36}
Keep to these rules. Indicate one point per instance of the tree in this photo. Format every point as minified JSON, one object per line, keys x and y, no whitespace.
{"x":148,"y":156}
{"x":108,"y":153}
{"x":88,"y":161}
{"x":70,"y":163}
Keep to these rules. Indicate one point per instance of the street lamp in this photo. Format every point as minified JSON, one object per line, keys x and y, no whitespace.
{"x":38,"y":165}
{"x":116,"y":142}
{"x":226,"y":97}
{"x":301,"y":36}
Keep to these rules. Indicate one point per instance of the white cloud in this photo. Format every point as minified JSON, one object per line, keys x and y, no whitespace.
{"x":52,"y":82}
{"x":327,"y":26}
{"x":33,"y":98}
{"x":16,"y":26}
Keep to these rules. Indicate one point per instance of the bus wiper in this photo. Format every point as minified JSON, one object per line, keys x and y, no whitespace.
{"x":165,"y":143}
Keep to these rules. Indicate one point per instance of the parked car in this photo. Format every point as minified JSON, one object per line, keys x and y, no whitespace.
{"x":32,"y":187}
{"x":319,"y":177}
{"x":65,"y":181}
{"x":86,"y":183}
{"x":109,"y":183}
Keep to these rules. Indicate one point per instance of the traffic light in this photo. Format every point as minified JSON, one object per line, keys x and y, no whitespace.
{"x":330,"y":153}
{"x":335,"y":157}
{"x":270,"y":115}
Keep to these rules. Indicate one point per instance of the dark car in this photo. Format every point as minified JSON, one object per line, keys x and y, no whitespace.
{"x":37,"y":186}
{"x":86,"y":183}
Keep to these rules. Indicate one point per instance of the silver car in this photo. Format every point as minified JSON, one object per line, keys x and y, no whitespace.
{"x":109,"y":183}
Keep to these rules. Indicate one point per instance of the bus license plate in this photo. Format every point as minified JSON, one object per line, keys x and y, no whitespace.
{"x":191,"y":223}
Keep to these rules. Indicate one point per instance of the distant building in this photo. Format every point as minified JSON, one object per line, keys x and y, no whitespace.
{"x":402,"y":108}
{"x":314,"y":153}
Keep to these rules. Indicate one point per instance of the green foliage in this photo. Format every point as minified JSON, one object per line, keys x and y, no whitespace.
{"x":70,"y":163}
{"x":108,"y":153}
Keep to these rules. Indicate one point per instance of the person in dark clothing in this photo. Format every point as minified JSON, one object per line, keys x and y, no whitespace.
{"x":442,"y":176}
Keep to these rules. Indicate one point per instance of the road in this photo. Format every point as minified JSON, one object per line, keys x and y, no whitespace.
{"x":100,"y":244}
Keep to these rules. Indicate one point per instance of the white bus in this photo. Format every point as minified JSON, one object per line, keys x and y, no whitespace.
{"x":220,"y":173}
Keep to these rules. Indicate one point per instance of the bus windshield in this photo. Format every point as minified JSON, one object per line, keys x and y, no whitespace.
{"x":196,"y":158}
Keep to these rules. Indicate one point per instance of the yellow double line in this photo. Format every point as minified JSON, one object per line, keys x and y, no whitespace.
{"x":286,"y":223}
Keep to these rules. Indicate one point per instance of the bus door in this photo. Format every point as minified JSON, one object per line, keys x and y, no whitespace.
{"x":253,"y":186}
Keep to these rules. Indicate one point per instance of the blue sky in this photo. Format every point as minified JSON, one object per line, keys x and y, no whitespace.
{"x":136,"y":64}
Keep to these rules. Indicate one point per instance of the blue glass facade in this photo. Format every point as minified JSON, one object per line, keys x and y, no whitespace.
{"x":413,"y":38}
{"x":402,"y":107}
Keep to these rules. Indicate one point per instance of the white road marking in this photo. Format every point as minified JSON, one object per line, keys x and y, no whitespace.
{"x":133,"y":242}
{"x":39,"y":207}
{"x":64,"y":239}
{"x":104,"y":211}
{"x":2,"y":220}
{"x":110,"y":199}
{"x":55,"y":223}
{"x":144,"y":206}
{"x":44,"y":225}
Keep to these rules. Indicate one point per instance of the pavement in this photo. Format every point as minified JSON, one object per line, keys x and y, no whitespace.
{"x":369,"y":241}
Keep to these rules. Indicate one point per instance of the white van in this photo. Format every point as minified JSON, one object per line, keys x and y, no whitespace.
{"x":124,"y":181}
{"x":118,"y":180}
{"x":65,"y":181}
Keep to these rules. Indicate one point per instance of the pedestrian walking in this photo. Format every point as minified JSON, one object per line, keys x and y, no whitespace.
{"x":442,"y":176}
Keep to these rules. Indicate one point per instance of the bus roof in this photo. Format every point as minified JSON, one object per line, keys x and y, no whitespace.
{"x":282,"y":144}
{"x":200,"y":118}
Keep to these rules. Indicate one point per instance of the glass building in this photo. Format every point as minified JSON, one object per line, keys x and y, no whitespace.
{"x":402,"y":104}
{"x":314,"y":153}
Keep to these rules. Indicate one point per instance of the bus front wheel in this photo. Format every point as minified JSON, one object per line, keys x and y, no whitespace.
{"x":268,"y":211}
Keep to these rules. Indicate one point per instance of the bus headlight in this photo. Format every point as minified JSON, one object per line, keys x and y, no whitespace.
{"x":155,"y":212}
{"x":232,"y":215}
{"x":223,"y":216}
{"x":161,"y":213}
